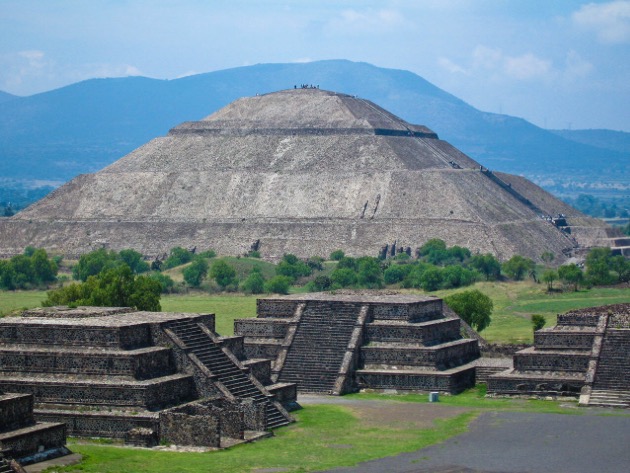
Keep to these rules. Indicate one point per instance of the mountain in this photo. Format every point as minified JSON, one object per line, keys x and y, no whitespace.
{"x":605,"y":139}
{"x":85,"y":126}
{"x":5,"y":96}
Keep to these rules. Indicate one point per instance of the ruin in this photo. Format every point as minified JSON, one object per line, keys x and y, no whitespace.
{"x":585,"y":354}
{"x":340,"y":343}
{"x":144,"y":377}
{"x":302,"y":171}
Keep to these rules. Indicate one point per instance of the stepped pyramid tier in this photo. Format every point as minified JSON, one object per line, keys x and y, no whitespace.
{"x":339,"y":343}
{"x":22,"y":438}
{"x":587,"y":354}
{"x":302,"y":171}
{"x":146,"y":377}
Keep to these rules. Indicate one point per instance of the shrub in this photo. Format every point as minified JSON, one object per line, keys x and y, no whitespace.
{"x":517,"y":267}
{"x":134,"y":260}
{"x":278,"y":284}
{"x":177,"y":257}
{"x":538,"y":321}
{"x":571,"y":274}
{"x":292,"y":267}
{"x":394,"y":274}
{"x":254,"y":283}
{"x":320,"y":283}
{"x":166,"y":282}
{"x":597,"y":264}
{"x":487,"y":265}
{"x":336,"y":255}
{"x":343,"y":277}
{"x":91,"y":264}
{"x":223,"y":273}
{"x":196,"y":272}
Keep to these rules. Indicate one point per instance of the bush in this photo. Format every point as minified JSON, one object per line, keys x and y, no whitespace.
{"x":33,"y":268}
{"x":254,"y":283}
{"x":336,"y":255}
{"x":115,"y":287}
{"x":473,"y":306}
{"x":166,"y":282}
{"x":394,"y":274}
{"x":134,"y":260}
{"x":517,"y":267}
{"x":320,"y":283}
{"x":538,"y":321}
{"x":223,"y":273}
{"x":278,"y":285}
{"x":571,"y":274}
{"x":177,"y":257}
{"x":292,"y":267}
{"x":343,"y":277}
{"x":91,"y":264}
{"x":370,"y":274}
{"x":208,"y":254}
{"x":196,"y":272}
{"x":598,"y":266}
{"x":487,"y":265}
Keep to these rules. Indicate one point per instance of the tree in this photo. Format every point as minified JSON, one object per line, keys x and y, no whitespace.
{"x":292,"y":267}
{"x":620,"y":265}
{"x":547,"y":257}
{"x":254,"y":283}
{"x":517,"y":267}
{"x":538,"y":321}
{"x":343,"y":277}
{"x":571,"y":274}
{"x":44,"y":269}
{"x":394,"y":274}
{"x":431,"y":279}
{"x":336,"y":255}
{"x":196,"y":272}
{"x":166,"y":282}
{"x":457,"y":276}
{"x":278,"y":284}
{"x":473,"y":306}
{"x":320,"y":283}
{"x":91,"y":264}
{"x":134,"y":260}
{"x":549,"y":276}
{"x":223,"y":273}
{"x":487,"y":265}
{"x":114,"y":287}
{"x":369,"y":274}
{"x":177,"y":257}
{"x":598,"y":266}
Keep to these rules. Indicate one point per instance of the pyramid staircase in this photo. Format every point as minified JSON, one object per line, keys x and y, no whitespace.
{"x":315,"y":358}
{"x":203,"y":345}
{"x":612,"y":379}
{"x":339,"y":343}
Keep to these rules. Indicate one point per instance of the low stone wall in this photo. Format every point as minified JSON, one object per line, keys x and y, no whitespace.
{"x":418,"y":312}
{"x":561,"y":386}
{"x":549,"y":339}
{"x":441,"y":357}
{"x":235,"y":345}
{"x":127,"y":337}
{"x":263,"y":349}
{"x":407,"y":381}
{"x":286,"y":393}
{"x":428,"y":333}
{"x":16,"y":411}
{"x":551,"y":362}
{"x":275,"y":308}
{"x":38,"y":438}
{"x":589,"y":320}
{"x":260,"y":369}
{"x":90,"y":424}
{"x":161,"y":393}
{"x":261,"y":328}
{"x":136,"y":364}
{"x":500,"y":350}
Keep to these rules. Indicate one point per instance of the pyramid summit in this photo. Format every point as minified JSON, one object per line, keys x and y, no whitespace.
{"x":304,"y":171}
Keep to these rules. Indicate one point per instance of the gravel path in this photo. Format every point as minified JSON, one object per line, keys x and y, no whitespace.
{"x":511,"y":442}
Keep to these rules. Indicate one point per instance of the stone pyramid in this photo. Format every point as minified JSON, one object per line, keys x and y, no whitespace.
{"x":305,"y":171}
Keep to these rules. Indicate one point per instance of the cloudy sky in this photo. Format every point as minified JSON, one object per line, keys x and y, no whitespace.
{"x":557,"y":63}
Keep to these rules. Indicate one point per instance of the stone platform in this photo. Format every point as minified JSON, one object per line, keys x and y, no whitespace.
{"x":586,"y":354}
{"x":144,"y":377}
{"x":340,"y":343}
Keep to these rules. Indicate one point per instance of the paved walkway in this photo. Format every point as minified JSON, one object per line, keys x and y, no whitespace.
{"x":510,"y":442}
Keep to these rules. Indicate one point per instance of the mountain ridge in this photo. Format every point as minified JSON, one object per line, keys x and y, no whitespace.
{"x":85,"y":126}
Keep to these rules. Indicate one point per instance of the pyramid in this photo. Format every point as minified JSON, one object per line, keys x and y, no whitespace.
{"x":304,"y":171}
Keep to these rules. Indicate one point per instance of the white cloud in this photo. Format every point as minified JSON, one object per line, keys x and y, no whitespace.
{"x":609,"y":21}
{"x":301,"y":60}
{"x":575,"y":66}
{"x":486,"y":58}
{"x":450,"y":66}
{"x":367,"y":21}
{"x":527,"y":66}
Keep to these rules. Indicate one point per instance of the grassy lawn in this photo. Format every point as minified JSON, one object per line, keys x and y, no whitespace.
{"x":20,"y":300}
{"x":325,"y":436}
{"x":514,"y":303}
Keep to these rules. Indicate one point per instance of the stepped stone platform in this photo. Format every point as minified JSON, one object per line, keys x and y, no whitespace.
{"x":586,"y":354}
{"x":22,"y":438}
{"x":340,"y":343}
{"x":145,"y":377}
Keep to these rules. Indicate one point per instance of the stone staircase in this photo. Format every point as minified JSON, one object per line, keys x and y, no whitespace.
{"x":315,"y":357}
{"x":612,"y":377}
{"x":227,"y":372}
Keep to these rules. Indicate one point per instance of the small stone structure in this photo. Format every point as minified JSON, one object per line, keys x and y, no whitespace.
{"x":24,"y":439}
{"x":337,"y":344}
{"x":145,"y":377}
{"x":585,"y":354}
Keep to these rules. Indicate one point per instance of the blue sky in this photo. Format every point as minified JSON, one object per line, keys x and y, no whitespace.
{"x":556,"y":63}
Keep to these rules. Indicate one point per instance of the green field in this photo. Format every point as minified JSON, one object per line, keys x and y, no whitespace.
{"x":325,"y":436}
{"x":514,"y":303}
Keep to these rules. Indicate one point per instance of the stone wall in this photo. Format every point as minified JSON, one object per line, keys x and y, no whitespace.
{"x":428,"y":333}
{"x":16,"y":411}
{"x":275,"y":308}
{"x":442,"y":357}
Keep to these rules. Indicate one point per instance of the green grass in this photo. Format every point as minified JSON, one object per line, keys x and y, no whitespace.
{"x":20,"y":300}
{"x":514,"y":303}
{"x":325,"y":436}
{"x":226,"y":307}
